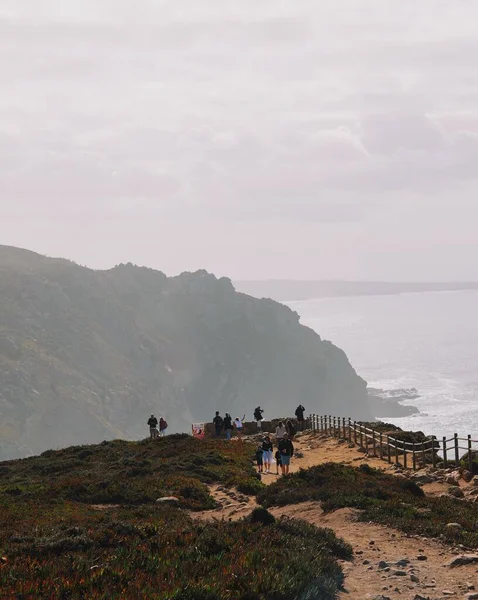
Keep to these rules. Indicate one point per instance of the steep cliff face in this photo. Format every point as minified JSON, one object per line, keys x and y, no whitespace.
{"x":87,"y":355}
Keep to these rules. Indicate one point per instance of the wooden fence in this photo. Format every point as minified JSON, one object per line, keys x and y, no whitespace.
{"x":430,"y":451}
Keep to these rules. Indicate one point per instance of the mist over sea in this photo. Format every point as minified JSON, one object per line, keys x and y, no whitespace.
{"x":428,"y":341}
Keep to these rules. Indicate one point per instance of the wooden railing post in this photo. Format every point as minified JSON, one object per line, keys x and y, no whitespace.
{"x":381,"y":446}
{"x":373,"y":443}
{"x":434,"y":455}
{"x":335,"y":426}
{"x":361,"y":436}
{"x":355,"y":432}
{"x":405,"y":454}
{"x":350,"y":431}
{"x":470,"y":457}
{"x":321,"y":423}
{"x":445,"y":461}
{"x":389,"y":454}
{"x":396,"y":452}
{"x":457,"y":451}
{"x":344,"y":430}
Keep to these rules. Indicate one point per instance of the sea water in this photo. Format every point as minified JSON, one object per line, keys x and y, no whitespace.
{"x":428,"y":341}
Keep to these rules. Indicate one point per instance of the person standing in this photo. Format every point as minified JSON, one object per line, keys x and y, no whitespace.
{"x":238,"y":425}
{"x":153,"y":427}
{"x":286,"y":449}
{"x":260,"y":459}
{"x":218,"y":423}
{"x":162,"y":427}
{"x":299,"y":413}
{"x":267,"y":450}
{"x":258,"y":416}
{"x":290,"y":429}
{"x":280,"y":431}
{"x":228,"y":426}
{"x":278,"y":457}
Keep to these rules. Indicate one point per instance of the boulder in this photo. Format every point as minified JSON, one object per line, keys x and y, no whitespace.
{"x":168,"y":500}
{"x":463,"y":559}
{"x":456,"y":492}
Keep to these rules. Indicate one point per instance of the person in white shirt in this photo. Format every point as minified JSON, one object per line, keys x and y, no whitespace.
{"x":238,"y":425}
{"x":281,"y":430}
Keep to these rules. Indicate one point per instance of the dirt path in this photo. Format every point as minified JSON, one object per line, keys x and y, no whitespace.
{"x":415,"y":567}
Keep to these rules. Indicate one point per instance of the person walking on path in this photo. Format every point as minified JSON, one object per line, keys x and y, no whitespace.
{"x":267,"y":449}
{"x":218,"y":423}
{"x":162,"y":427}
{"x":299,"y":413}
{"x":153,"y":427}
{"x":290,"y":429}
{"x":280,"y":431}
{"x":286,"y":449}
{"x":278,"y":457}
{"x":258,"y":416}
{"x":238,"y":425}
{"x":228,"y":426}
{"x":260,"y":459}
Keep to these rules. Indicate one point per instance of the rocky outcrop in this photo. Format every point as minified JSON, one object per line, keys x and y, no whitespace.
{"x":87,"y":355}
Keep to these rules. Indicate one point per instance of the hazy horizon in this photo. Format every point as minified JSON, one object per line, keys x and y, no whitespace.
{"x":304,"y":141}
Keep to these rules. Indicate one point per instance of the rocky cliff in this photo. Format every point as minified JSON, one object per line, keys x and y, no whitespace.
{"x":87,"y":355}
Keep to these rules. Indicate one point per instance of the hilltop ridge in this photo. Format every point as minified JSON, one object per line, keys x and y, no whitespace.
{"x":87,"y":355}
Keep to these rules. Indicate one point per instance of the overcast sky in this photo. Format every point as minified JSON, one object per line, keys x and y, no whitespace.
{"x":254,"y":138}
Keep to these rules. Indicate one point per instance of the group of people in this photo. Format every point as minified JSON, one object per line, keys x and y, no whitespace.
{"x":153,"y":423}
{"x":283,"y":454}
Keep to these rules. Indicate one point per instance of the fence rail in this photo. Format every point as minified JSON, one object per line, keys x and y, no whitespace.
{"x":431,"y":451}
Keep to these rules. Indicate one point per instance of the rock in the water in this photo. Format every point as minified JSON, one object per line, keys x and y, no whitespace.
{"x":467,"y":476}
{"x":403,"y":562}
{"x":463,"y":559}
{"x":168,"y":500}
{"x":422,"y":557}
{"x":383,"y":565}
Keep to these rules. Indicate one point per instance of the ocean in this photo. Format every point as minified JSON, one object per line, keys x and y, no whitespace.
{"x":428,"y":341}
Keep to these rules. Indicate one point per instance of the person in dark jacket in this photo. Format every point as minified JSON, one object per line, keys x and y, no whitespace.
{"x":228,"y":427}
{"x":290,"y":429}
{"x":258,"y":416}
{"x":278,"y":458}
{"x":267,"y":448}
{"x":286,"y":449}
{"x":260,"y":459}
{"x":218,"y":423}
{"x":299,"y":413}
{"x":153,"y":427}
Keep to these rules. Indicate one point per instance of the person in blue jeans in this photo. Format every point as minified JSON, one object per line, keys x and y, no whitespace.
{"x":228,"y":426}
{"x":286,"y":449}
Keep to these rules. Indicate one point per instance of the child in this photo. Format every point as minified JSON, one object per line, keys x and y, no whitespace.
{"x":278,"y":457}
{"x":260,"y":459}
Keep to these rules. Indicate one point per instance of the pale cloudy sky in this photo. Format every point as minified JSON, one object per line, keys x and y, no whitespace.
{"x":254,"y":138}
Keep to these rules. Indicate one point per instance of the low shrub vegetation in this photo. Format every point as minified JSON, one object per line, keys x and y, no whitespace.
{"x":120,"y":472}
{"x":73,"y":551}
{"x":381,"y":498}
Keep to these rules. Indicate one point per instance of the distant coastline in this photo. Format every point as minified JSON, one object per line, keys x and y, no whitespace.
{"x":283,"y":290}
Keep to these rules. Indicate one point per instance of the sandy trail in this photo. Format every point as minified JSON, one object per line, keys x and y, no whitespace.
{"x":424,"y":577}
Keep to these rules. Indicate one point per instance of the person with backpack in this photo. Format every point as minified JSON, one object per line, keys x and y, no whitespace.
{"x":299,"y":413}
{"x":218,"y":424}
{"x":162,"y":427}
{"x":258,"y":416}
{"x":228,"y":426}
{"x":286,"y":449}
{"x":153,"y":427}
{"x":267,"y":448}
